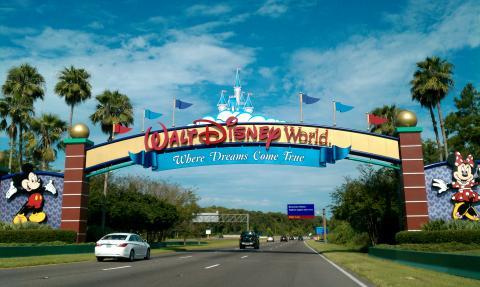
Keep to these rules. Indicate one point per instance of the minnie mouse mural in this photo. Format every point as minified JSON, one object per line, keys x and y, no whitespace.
{"x":29,"y":182}
{"x":464,"y":176}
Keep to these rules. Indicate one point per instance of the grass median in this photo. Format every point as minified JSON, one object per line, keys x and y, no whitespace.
{"x":14,"y":262}
{"x":450,"y":247}
{"x":385,"y":273}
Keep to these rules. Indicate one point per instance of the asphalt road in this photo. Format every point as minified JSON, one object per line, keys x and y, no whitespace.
{"x":274,"y":264}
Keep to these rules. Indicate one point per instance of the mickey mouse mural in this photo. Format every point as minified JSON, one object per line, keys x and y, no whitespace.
{"x":29,"y":182}
{"x":464,"y":180}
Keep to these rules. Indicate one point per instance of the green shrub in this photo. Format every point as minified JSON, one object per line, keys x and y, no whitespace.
{"x":95,"y":232}
{"x":22,"y":226}
{"x":440,"y":224}
{"x":434,"y":247}
{"x":462,"y":225}
{"x":37,"y":235}
{"x":341,"y":233}
{"x":434,"y":225}
{"x":424,"y":237}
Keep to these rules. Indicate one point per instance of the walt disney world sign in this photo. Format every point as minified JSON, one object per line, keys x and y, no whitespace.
{"x":210,"y":143}
{"x":214,"y":134}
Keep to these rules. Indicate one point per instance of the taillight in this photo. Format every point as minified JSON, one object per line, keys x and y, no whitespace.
{"x":122,"y":244}
{"x":98,"y":244}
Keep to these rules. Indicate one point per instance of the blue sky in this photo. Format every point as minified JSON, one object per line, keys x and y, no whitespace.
{"x":362,"y":53}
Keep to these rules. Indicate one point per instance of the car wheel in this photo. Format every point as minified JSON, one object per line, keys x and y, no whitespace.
{"x":131,"y":258}
{"x":257,"y":247}
{"x":242,"y":247}
{"x":99,"y":259}
{"x":147,"y":256}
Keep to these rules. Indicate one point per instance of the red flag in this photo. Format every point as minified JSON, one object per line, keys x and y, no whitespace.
{"x":119,"y":129}
{"x":376,"y":120}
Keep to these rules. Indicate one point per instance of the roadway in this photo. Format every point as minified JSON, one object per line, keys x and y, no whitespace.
{"x":276,"y":264}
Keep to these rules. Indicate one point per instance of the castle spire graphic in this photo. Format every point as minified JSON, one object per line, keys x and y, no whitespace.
{"x":237,"y":102}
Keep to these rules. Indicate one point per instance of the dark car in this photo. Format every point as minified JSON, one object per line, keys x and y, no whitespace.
{"x":283,"y":238}
{"x":249,"y":238}
{"x":300,"y":238}
{"x":291,"y":238}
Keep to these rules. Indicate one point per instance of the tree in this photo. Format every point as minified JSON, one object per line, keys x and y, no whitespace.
{"x":370,"y":203}
{"x":23,"y":85}
{"x":431,"y":83}
{"x":33,"y":154}
{"x":73,"y":85}
{"x":112,"y":107}
{"x":49,"y":129}
{"x":431,"y":153}
{"x":10,"y":110}
{"x":462,"y":125}
{"x":129,"y":209}
{"x":388,"y":112}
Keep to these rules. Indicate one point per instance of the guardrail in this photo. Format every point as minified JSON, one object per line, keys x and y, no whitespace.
{"x":155,"y":245}
{"x":455,"y":264}
{"x":39,"y":250}
{"x":23,"y":251}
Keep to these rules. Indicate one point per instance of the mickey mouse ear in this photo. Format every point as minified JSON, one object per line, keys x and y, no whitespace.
{"x":27,"y":168}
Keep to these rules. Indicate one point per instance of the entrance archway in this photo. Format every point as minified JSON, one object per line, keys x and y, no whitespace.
{"x":210,"y":143}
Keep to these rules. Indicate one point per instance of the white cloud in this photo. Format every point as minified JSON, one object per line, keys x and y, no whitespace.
{"x":96,"y":25}
{"x":208,"y":10}
{"x":148,"y":72}
{"x":375,"y":69}
{"x":15,"y":31}
{"x":241,"y":116}
{"x":272,"y":8}
{"x":260,"y":187}
{"x":157,"y":20}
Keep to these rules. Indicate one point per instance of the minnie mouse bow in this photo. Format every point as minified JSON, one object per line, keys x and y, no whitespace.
{"x":459,"y":159}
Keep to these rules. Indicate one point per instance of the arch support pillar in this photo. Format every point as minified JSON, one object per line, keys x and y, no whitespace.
{"x":75,"y":188}
{"x":413,"y":177}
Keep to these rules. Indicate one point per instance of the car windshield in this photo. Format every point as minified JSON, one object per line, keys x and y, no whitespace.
{"x":114,"y":237}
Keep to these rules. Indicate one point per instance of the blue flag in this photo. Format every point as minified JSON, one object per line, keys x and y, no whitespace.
{"x":182,"y":105}
{"x":309,"y":100}
{"x":151,"y":115}
{"x":342,"y":108}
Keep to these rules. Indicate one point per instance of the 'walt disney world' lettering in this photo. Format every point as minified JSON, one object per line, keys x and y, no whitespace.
{"x":214,"y":133}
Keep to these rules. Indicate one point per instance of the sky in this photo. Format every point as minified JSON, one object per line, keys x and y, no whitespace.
{"x":361,"y":53}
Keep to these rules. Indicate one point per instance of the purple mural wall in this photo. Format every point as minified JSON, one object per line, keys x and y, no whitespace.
{"x":52,"y":202}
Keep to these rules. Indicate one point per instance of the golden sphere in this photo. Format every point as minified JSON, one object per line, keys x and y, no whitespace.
{"x":79,"y":131}
{"x":406,"y":119}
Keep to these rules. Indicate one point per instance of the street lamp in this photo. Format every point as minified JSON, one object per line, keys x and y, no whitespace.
{"x":324,"y":226}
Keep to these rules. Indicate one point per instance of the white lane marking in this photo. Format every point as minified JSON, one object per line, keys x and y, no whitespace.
{"x":113,"y":268}
{"x":360,"y":283}
{"x":213,"y":266}
{"x":244,"y":257}
{"x":186,"y":257}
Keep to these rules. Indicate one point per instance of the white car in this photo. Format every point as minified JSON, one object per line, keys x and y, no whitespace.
{"x":122,"y":245}
{"x":270,"y":239}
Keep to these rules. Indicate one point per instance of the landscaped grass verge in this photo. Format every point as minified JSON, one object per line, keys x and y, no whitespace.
{"x":385,"y":272}
{"x":455,"y":247}
{"x":69,"y":258}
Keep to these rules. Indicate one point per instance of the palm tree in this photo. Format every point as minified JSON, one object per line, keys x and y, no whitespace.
{"x":32,"y":152}
{"x":433,"y":80}
{"x":15,"y":111}
{"x":49,"y":129}
{"x":112,"y":107}
{"x":425,"y":101}
{"x":73,"y":85}
{"x":388,"y":112}
{"x":23,"y":85}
